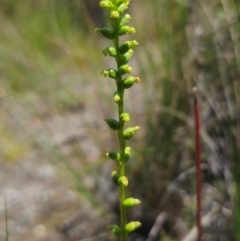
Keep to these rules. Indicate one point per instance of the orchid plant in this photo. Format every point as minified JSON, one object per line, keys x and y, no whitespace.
{"x":122,"y":53}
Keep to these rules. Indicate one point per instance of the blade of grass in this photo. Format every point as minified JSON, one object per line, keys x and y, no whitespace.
{"x":6,"y":221}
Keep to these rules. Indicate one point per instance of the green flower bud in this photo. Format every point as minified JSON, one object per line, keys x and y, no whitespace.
{"x":105,"y":32}
{"x":129,"y":81}
{"x":114,"y":155}
{"x":123,"y":7}
{"x":123,"y":180}
{"x":132,"y":226}
{"x":114,"y":15}
{"x":127,"y":45}
{"x":127,"y":153}
{"x":115,"y":177}
{"x":125,"y":19}
{"x":129,"y":132}
{"x":110,"y":73}
{"x":106,"y":4}
{"x":117,"y":97}
{"x":131,"y":202}
{"x":125,"y":117}
{"x":115,"y":229}
{"x":126,"y":30}
{"x":126,"y":57}
{"x":111,"y":51}
{"x":112,"y":123}
{"x":124,"y":69}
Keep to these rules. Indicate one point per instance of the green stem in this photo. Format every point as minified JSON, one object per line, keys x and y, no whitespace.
{"x":122,"y":191}
{"x":122,"y":173}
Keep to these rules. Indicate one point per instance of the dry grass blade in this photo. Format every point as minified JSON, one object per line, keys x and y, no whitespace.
{"x":6,"y":221}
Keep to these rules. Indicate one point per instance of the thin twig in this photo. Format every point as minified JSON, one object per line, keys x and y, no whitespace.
{"x":157,"y":226}
{"x":198,"y":164}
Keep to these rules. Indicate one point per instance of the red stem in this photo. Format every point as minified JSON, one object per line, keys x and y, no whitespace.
{"x":198,"y":167}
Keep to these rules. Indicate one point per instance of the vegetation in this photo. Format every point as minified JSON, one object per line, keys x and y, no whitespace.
{"x":48,"y":69}
{"x":122,"y":53}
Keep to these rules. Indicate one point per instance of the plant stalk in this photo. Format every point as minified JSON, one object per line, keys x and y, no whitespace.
{"x":122,"y":162}
{"x":122,"y":196}
{"x":122,"y":54}
{"x":198,"y":166}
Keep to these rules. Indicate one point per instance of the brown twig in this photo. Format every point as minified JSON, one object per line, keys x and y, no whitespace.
{"x":198,"y":164}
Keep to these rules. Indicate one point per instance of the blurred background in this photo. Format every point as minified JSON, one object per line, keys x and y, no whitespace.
{"x":53,"y":102}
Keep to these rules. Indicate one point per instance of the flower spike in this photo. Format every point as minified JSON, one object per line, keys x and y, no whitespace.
{"x":122,"y":53}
